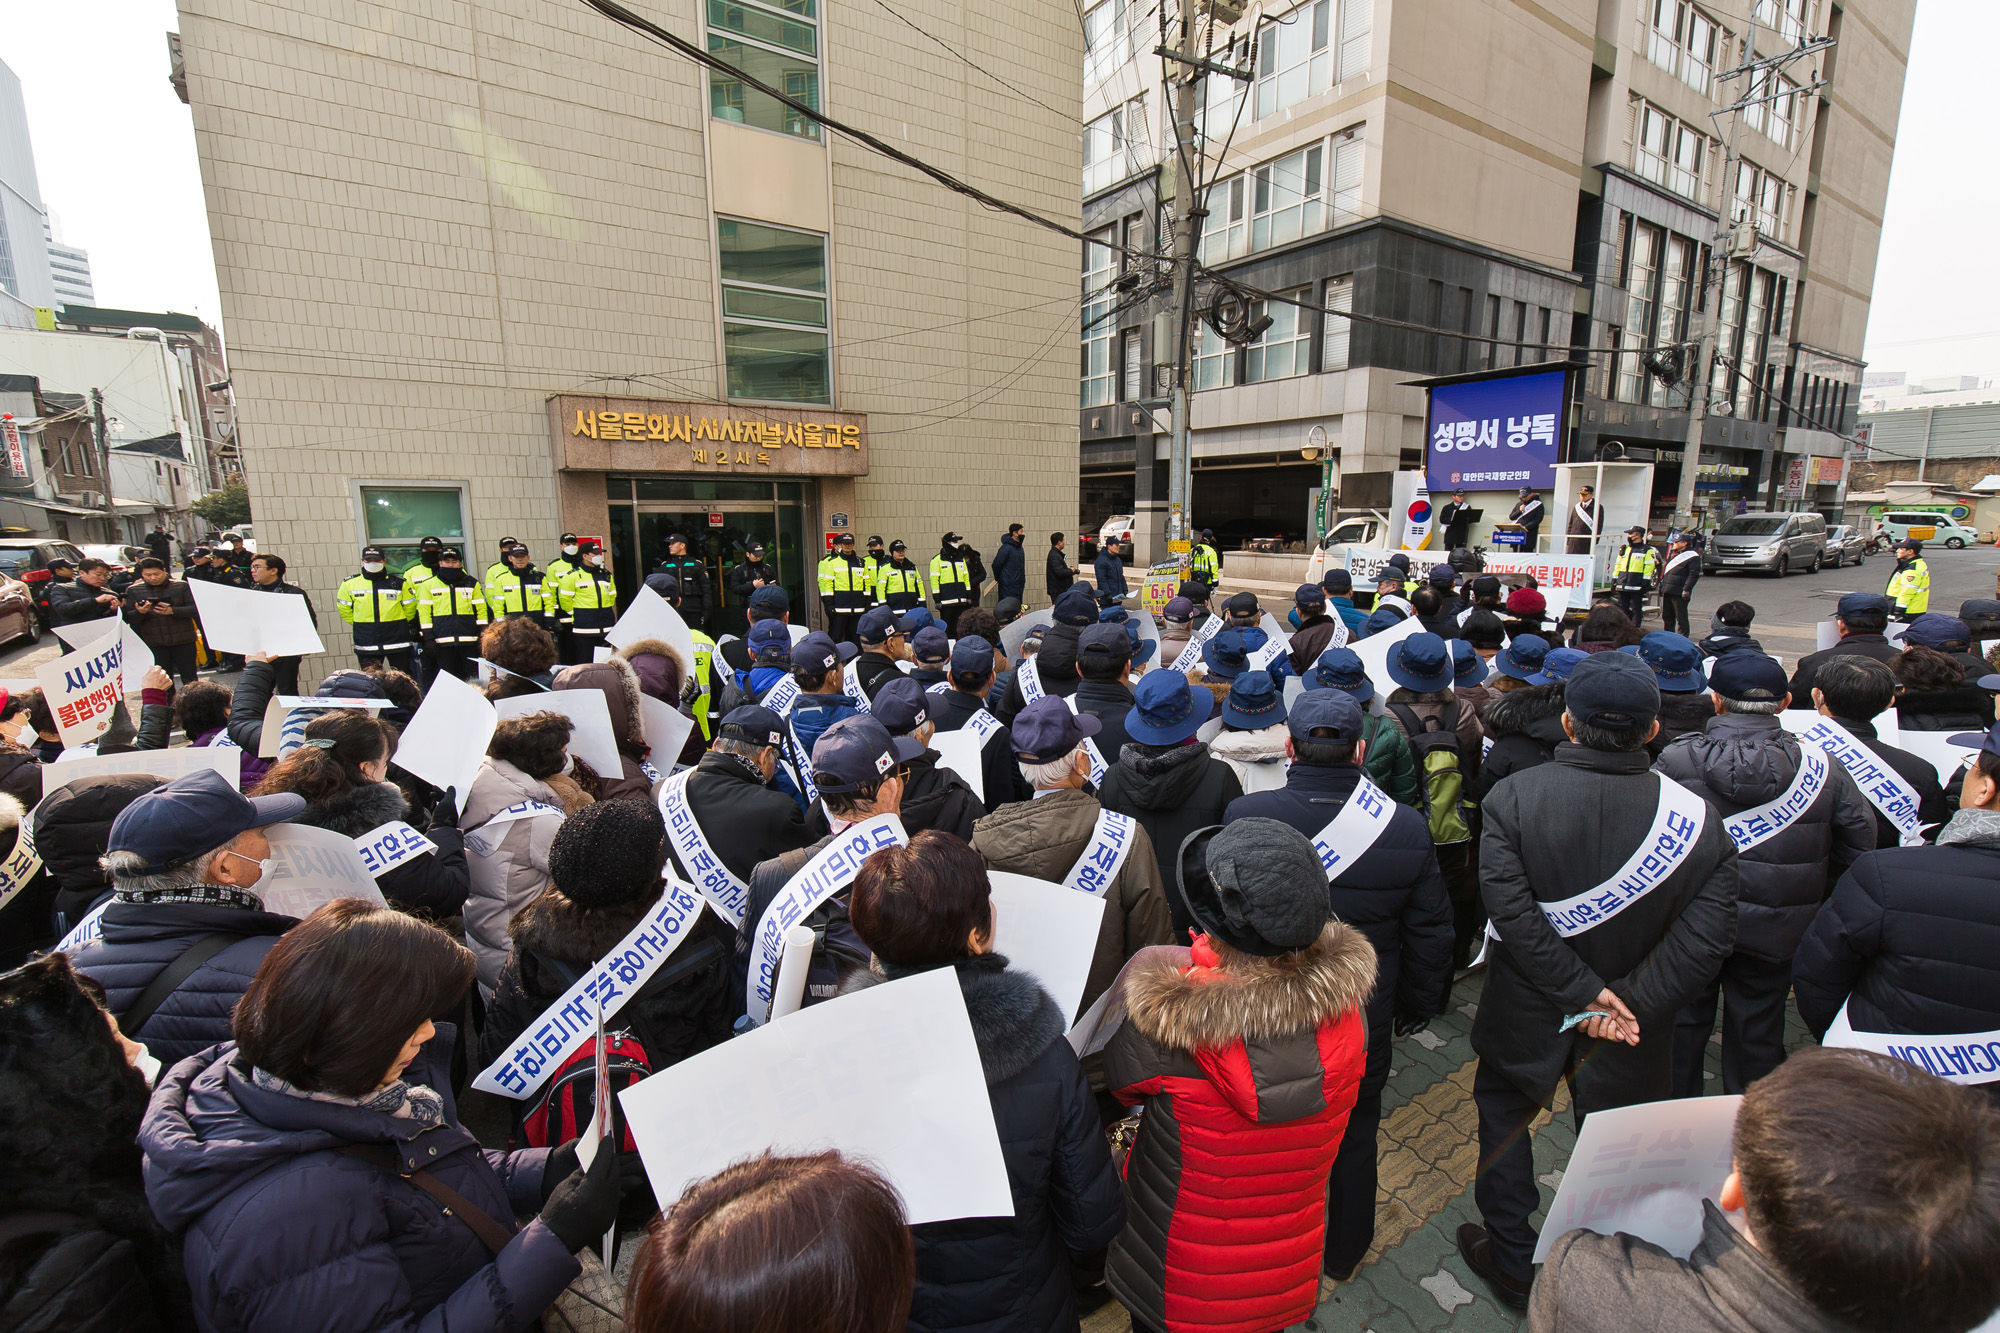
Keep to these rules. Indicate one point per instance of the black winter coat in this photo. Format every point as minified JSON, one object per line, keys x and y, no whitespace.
{"x":1108,"y":702}
{"x":1313,"y":636}
{"x":937,"y":798}
{"x":743,"y":579}
{"x":874,"y":670}
{"x":1912,"y":935}
{"x":1000,"y":775}
{"x":20,"y":774}
{"x":432,"y":886}
{"x":1967,"y":708}
{"x":1012,"y":1274}
{"x":1010,"y":569}
{"x":1056,"y":571}
{"x":1921,"y":774}
{"x":1682,"y":713}
{"x":1551,"y":833}
{"x":1729,"y":641}
{"x":160,"y":631}
{"x":1525,"y":726}
{"x":683,"y":1010}
{"x":72,"y":827}
{"x":744,"y":819}
{"x":697,"y":592}
{"x":1743,"y":761}
{"x":1172,"y":790}
{"x":1110,"y":576}
{"x":1679,"y":580}
{"x":75,"y":603}
{"x":141,"y":939}
{"x":1393,"y":893}
{"x":1853,"y":645}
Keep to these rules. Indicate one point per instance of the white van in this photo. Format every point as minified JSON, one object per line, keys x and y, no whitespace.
{"x":1926,"y":526}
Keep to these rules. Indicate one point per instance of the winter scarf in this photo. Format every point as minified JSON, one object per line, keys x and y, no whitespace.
{"x":1971,"y":828}
{"x":214,"y":895}
{"x":404,"y":1101}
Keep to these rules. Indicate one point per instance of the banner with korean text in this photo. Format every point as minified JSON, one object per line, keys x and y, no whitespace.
{"x":1495,"y":434}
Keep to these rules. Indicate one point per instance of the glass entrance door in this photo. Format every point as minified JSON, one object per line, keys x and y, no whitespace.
{"x":749,"y":511}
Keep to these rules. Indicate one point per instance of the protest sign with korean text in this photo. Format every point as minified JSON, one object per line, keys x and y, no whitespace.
{"x":83,"y":687}
{"x":1495,"y":434}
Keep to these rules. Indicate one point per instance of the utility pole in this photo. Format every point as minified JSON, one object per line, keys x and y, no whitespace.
{"x":1187,"y":236}
{"x":103,"y":448}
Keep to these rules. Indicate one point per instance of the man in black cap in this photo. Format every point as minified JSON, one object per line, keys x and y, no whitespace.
{"x":1637,"y":566}
{"x":451,"y":612}
{"x":1487,"y":595}
{"x":568,"y":560}
{"x":725,"y":814}
{"x":1528,"y":512}
{"x":1456,"y":520}
{"x":882,"y":645}
{"x":1064,"y":836}
{"x":185,"y":930}
{"x":1110,"y":567}
{"x":875,"y":559}
{"x":1861,"y":618}
{"x":898,"y":583}
{"x":1851,"y":692}
{"x":1612,"y":894}
{"x":373,"y":605}
{"x":1104,"y":662}
{"x":845,"y":589}
{"x":752,"y":573}
{"x":1010,"y":565}
{"x":1059,"y":572}
{"x":697,"y":592}
{"x":962,"y":705}
{"x":1382,"y":877}
{"x":1585,"y":520}
{"x":506,"y":544}
{"x":953,"y":584}
{"x":515,"y":588}
{"x":1798,"y":823}
{"x":934,"y":797}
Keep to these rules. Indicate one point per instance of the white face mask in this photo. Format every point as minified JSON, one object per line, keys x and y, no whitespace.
{"x":593,"y":560}
{"x":569,"y":762}
{"x":569,"y":550}
{"x":371,"y":566}
{"x":263,"y":871}
{"x":147,"y":1064}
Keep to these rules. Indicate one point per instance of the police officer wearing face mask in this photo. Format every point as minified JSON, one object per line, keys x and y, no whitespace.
{"x":587,"y":604}
{"x":378,"y":610}
{"x":514,"y":588}
{"x":559,"y":569}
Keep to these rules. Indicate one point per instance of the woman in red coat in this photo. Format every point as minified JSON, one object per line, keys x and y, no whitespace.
{"x":1247,"y":1065}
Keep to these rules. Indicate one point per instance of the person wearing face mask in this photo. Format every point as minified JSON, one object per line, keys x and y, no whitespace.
{"x":378,"y":610}
{"x":84,"y":1251}
{"x":587,"y":601}
{"x":451,"y":611}
{"x":185,"y":928}
{"x":316,"y":1166}
{"x":567,"y":563}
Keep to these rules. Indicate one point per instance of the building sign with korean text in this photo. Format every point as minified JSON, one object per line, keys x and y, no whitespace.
{"x":596,"y":434}
{"x":1490,"y":435}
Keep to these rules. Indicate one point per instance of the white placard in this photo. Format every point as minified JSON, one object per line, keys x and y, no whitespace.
{"x":1825,"y":634}
{"x":1047,"y":931}
{"x":285,"y":719}
{"x":1935,"y":748}
{"x":447,"y":739}
{"x":1090,"y":1033}
{"x":650,"y":617}
{"x":960,"y":752}
{"x":890,"y":1075}
{"x":1644,"y":1170}
{"x":168,"y":764}
{"x":138,"y":657}
{"x":311,"y":867}
{"x":1015,"y":632}
{"x":1374,"y":651}
{"x":592,"y":741}
{"x":666,"y":729}
{"x":237,"y":620}
{"x":1796,"y":720}
{"x":83,"y":687}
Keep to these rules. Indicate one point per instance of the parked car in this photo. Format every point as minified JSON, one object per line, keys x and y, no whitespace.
{"x":120,"y":558}
{"x":28,"y":561}
{"x":1117,"y":528}
{"x":1844,"y":545}
{"x":1773,"y":544}
{"x":1926,"y":526}
{"x":18,"y":619}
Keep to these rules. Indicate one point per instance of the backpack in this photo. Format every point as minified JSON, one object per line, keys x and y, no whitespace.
{"x":568,"y":1100}
{"x":1435,"y":746}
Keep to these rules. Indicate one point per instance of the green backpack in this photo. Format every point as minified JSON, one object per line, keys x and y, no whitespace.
{"x":1440,"y":760}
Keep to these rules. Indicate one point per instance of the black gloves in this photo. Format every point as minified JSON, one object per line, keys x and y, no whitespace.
{"x":558,"y":1167}
{"x":584,"y":1204}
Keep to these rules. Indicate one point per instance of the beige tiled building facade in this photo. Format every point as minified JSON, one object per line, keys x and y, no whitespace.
{"x":451,"y":233}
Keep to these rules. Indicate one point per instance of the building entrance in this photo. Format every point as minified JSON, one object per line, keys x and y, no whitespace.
{"x":718,"y":518}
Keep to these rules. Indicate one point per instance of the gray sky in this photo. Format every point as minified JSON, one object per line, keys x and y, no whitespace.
{"x":117,"y":165}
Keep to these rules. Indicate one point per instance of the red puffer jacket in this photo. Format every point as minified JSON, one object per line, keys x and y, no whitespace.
{"x":1247,"y":1073}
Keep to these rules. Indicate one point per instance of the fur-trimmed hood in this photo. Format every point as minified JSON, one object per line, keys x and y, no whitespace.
{"x":660,"y":667}
{"x":12,"y":812}
{"x":1265,"y":746}
{"x":555,"y":927}
{"x":1250,"y":998}
{"x":1517,"y":711}
{"x":357,"y":810}
{"x":616,"y":679}
{"x":1013,"y":1019}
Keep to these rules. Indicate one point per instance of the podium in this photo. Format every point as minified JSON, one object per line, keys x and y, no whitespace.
{"x":1511,"y":535}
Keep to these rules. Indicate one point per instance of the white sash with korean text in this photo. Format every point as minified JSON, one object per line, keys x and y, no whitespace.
{"x":1585,"y":514}
{"x":802,"y":767}
{"x":485,"y":841}
{"x":727,"y":894}
{"x":1677,"y":825}
{"x":393,"y":844}
{"x":573,"y":1019}
{"x":1882,"y":785}
{"x":1030,"y":681}
{"x":1192,"y":652}
{"x":1261,"y":659}
{"x":1098,"y":768}
{"x":1747,"y":828}
{"x":850,"y":683}
{"x":1110,"y":843}
{"x":22,"y":864}
{"x":818,"y":880}
{"x":1965,"y":1057}
{"x":1679,"y":560}
{"x":1349,"y":834}
{"x":781,"y":696}
{"x":983,"y":725}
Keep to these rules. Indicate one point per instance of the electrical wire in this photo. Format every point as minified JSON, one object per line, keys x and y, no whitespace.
{"x":969,"y":61}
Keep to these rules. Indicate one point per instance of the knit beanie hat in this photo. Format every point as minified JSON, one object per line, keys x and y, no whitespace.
{"x":609,"y":853}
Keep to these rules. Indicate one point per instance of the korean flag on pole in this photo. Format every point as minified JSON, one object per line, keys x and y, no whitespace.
{"x":1417,"y":533}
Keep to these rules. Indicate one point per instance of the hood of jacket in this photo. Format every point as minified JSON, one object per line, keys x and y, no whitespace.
{"x":499,"y":785}
{"x":618,"y":682}
{"x":73,"y":823}
{"x":1013,"y":1019}
{"x":1532,"y":710}
{"x":555,"y":927}
{"x":1205,"y":1011}
{"x":1686,"y":710}
{"x":1724,"y":639}
{"x":355,"y":811}
{"x":1251,"y":747}
{"x":1744,"y":757}
{"x":1162,"y":777}
{"x":349,"y":683}
{"x":928,"y":787}
{"x":660,"y":668}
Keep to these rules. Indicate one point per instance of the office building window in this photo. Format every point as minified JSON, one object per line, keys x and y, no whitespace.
{"x":1112,"y":33}
{"x":1134,"y":385}
{"x":1214,"y":360}
{"x":1100,"y":266}
{"x":1676,"y":281}
{"x":1667,"y":152}
{"x":1114,"y":146}
{"x":1356,"y":19}
{"x":1286,"y":202}
{"x":1225,"y":232}
{"x":1785,"y":17}
{"x":775,"y":323}
{"x":397,"y":518}
{"x":1334,"y":335}
{"x":1314,"y":47}
{"x":1284,"y":349}
{"x":1222,"y":100}
{"x":1774,"y":114}
{"x":777,"y":44}
{"x":1348,"y":149}
{"x":1763,"y":198}
{"x":1683,"y":41}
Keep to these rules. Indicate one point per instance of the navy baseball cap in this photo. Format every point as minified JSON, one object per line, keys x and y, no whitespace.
{"x":1400,"y":561}
{"x":856,"y":751}
{"x":1421,"y":662}
{"x":1558,"y":665}
{"x":1309,"y":594}
{"x":913,"y":620}
{"x":1194,"y":590}
{"x":1674,"y":659}
{"x":1617,"y":690}
{"x":1225,"y":654}
{"x":816,"y":652}
{"x":1443,"y":576}
{"x":1254,"y":702}
{"x":753,"y":548}
{"x":1104,"y":641}
{"x":1389,"y":574}
{"x":771,"y":597}
{"x":1467,"y":668}
{"x":1341,"y":669}
{"x":1326,"y":710}
{"x":1166,"y":710}
{"x":1988,"y":740}
{"x":1522,"y":659}
{"x":900,"y":705}
{"x":1243,"y":609}
{"x":1338,"y":583}
{"x":1748,"y":678}
{"x":877,"y":624}
{"x":1046,"y":730}
{"x":1947,"y":634}
{"x":191,"y":816}
{"x":931,"y":647}
{"x":1862,"y":603}
{"x":972,"y":658}
{"x":1179,"y":610}
{"x":1076,"y":607}
{"x":1008,"y":609}
{"x":770,"y":643}
{"x":753,"y":723}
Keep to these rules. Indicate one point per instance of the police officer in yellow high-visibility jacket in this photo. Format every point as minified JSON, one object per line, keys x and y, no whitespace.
{"x":1910,"y":585}
{"x":877,"y":560}
{"x":559,"y":569}
{"x":514,"y":588}
{"x":845,"y":590}
{"x":451,"y":610}
{"x":951,"y":582}
{"x":1205,"y":563}
{"x":586,"y":604}
{"x":700,"y":689}
{"x":898,"y":581}
{"x":379,"y":611}
{"x":1637,"y":568}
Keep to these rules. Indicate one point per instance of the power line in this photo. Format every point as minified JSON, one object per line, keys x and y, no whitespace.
{"x":950,"y":50}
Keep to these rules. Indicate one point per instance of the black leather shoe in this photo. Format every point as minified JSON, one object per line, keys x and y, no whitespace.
{"x":1476,"y":1248}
